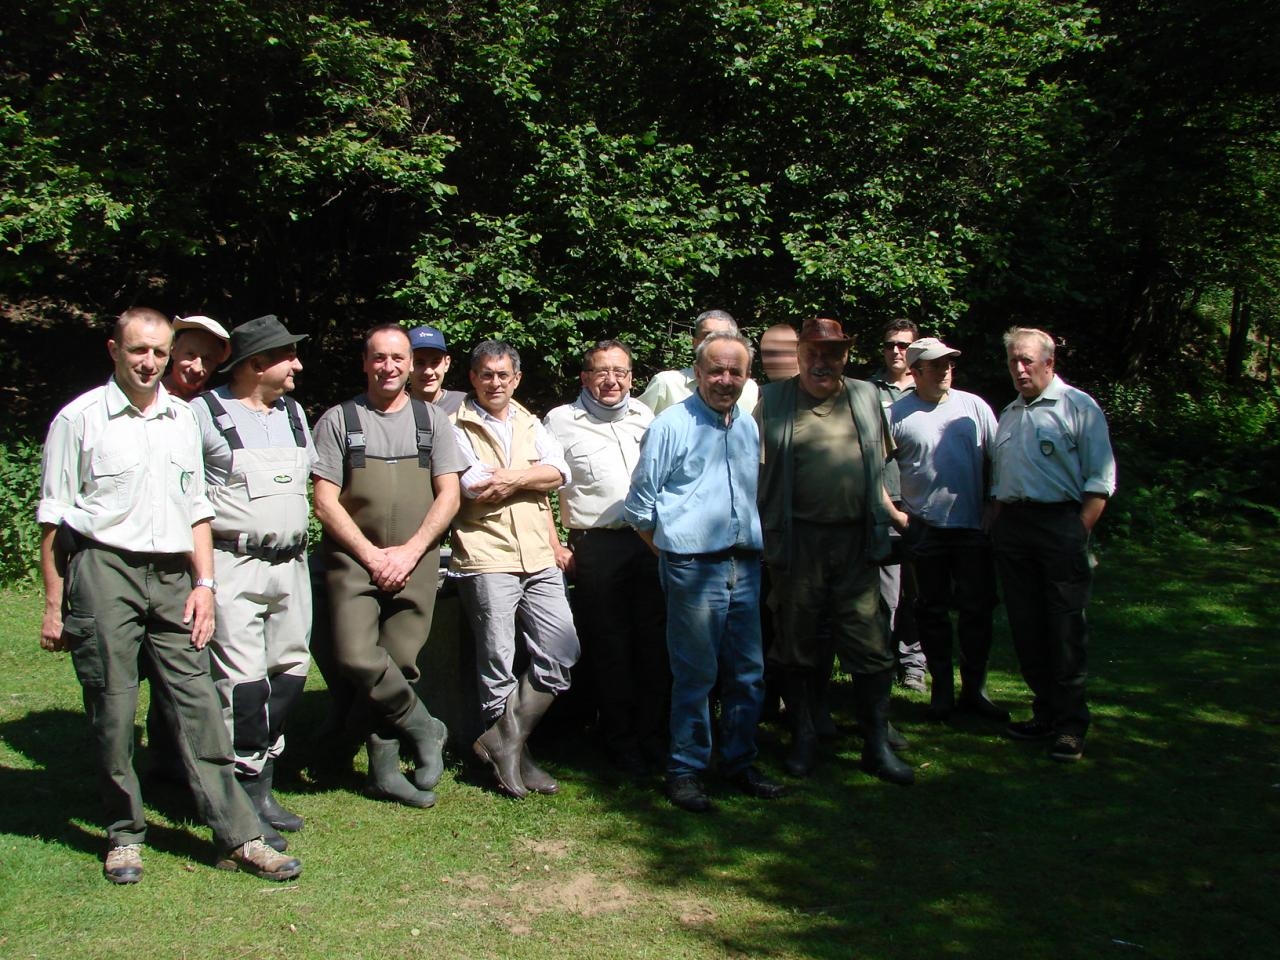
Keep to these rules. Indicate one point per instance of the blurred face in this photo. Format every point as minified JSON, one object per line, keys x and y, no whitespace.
{"x":278,"y":369}
{"x":387,"y":361}
{"x":721,"y":374}
{"x":196,"y":354}
{"x":429,"y":367}
{"x":140,"y":357}
{"x":822,"y":368}
{"x":933,"y":378}
{"x":1029,"y":367}
{"x":609,"y":379}
{"x":778,"y":353}
{"x":495,"y":381}
{"x":895,"y":352}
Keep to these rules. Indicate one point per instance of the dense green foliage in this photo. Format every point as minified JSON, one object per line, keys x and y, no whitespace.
{"x":19,"y":493}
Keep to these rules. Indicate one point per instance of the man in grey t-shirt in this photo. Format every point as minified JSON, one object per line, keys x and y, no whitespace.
{"x":383,"y":521}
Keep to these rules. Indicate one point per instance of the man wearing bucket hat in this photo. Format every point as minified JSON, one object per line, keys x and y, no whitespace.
{"x":826,"y":523}
{"x":430,"y":363}
{"x":200,"y":344}
{"x":257,"y":457}
{"x":944,"y":439}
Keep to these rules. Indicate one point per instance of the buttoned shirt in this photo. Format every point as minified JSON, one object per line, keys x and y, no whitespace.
{"x":1053,"y":449}
{"x":547,"y":447}
{"x":602,"y":455}
{"x":670,"y":387}
{"x":126,"y":479}
{"x":695,"y":484}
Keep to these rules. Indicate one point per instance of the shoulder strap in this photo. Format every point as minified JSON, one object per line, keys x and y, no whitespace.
{"x":222,"y":420}
{"x":355,"y":436}
{"x":295,"y":421}
{"x":426,"y":432}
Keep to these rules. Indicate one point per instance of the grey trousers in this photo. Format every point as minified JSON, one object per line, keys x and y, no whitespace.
{"x":498,"y":605}
{"x":116,"y":604}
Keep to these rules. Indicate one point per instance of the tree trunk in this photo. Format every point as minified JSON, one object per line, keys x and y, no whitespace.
{"x":1238,"y":338}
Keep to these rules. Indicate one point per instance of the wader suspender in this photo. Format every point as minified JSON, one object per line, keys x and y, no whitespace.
{"x":356,"y":441}
{"x":226,"y":426}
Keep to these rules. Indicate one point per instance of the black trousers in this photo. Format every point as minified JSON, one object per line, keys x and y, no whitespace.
{"x":1042,"y":555}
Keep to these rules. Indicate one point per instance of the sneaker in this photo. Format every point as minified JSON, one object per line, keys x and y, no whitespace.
{"x":686,"y":793}
{"x":259,"y":859}
{"x":915,"y":682}
{"x":1067,"y":748}
{"x":1033,"y":729}
{"x":124,"y":863}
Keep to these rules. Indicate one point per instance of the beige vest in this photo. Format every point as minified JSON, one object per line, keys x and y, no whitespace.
{"x":508,"y":537}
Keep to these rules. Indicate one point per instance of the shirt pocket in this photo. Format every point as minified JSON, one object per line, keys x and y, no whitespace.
{"x":586,"y":459}
{"x":114,"y":478}
{"x":183,"y":474}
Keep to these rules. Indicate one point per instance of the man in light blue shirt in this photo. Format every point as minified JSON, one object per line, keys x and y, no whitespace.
{"x":693,"y":500}
{"x":1054,"y":471}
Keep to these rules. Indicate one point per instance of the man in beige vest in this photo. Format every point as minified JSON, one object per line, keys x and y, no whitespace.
{"x":506,"y":565}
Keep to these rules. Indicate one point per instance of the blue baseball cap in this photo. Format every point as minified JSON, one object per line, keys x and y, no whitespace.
{"x":427,"y":338}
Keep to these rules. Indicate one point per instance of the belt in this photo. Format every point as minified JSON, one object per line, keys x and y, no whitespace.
{"x":728,"y":553}
{"x":1042,"y":504}
{"x":273,"y":554}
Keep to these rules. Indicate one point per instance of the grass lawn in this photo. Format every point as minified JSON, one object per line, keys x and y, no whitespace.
{"x":1162,"y":843}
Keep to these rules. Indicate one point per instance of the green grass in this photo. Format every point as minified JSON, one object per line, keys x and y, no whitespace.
{"x":1161,"y":844}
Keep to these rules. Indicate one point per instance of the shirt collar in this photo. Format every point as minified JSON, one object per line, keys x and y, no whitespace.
{"x":1056,"y":389}
{"x":119,"y":403}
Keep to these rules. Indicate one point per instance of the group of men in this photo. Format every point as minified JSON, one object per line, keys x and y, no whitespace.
{"x":175,"y":547}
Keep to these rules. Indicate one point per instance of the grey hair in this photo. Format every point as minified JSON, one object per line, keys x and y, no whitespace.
{"x":719,"y":336}
{"x":721,"y":315}
{"x":494,"y":349}
{"x":1015,"y":334}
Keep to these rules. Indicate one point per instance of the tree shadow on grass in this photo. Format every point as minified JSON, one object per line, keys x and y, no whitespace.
{"x":54,"y":798}
{"x":1153,"y":843}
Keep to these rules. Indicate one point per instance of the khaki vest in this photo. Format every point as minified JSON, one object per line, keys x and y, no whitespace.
{"x":509,"y":537}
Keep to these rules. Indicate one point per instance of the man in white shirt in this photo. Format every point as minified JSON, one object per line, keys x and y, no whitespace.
{"x":670,"y":387}
{"x":617,"y":597}
{"x":127,"y":561}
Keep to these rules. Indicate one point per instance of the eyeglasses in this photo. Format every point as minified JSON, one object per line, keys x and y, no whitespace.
{"x":601,"y":372}
{"x":502,"y":376}
{"x":896,"y":344}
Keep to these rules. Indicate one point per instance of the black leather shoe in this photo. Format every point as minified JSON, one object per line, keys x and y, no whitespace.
{"x":686,"y":793}
{"x":755,"y":784}
{"x":1033,"y":729}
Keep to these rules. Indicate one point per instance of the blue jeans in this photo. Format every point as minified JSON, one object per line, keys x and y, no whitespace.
{"x":713,"y":632}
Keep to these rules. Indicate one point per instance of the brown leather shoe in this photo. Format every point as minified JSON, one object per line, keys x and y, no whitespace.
{"x":257,"y":858}
{"x":124,"y":863}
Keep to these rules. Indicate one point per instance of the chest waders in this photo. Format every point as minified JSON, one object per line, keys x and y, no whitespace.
{"x":377,"y":636}
{"x":260,"y":650}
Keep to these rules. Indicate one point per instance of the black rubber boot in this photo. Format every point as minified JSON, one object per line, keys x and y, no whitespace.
{"x":428,"y":735}
{"x":269,"y":808}
{"x":872,"y":692}
{"x":500,"y":747}
{"x":942,"y":690}
{"x":387,"y":781}
{"x":973,"y":697}
{"x":531,"y":705}
{"x":797,"y":694}
{"x":253,"y":788}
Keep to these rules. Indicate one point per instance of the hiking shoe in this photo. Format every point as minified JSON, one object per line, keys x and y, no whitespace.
{"x":259,"y":859}
{"x":1033,"y":729}
{"x":124,"y":863}
{"x":686,"y":793}
{"x":755,"y":784}
{"x":1067,"y":748}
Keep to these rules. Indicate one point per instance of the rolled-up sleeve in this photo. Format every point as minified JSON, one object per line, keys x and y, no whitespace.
{"x":59,"y":472}
{"x":1097,"y":459}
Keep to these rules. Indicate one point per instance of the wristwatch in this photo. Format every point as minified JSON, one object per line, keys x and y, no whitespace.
{"x":209,"y":582}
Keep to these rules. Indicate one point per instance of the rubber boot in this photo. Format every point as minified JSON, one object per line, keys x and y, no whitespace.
{"x":387,"y":781}
{"x":253,"y":787}
{"x":500,"y":747}
{"x":428,"y":735}
{"x":872,"y":691}
{"x":942,"y":690}
{"x":269,"y":808}
{"x":797,"y":694}
{"x":531,"y":705}
{"x":974,"y":699}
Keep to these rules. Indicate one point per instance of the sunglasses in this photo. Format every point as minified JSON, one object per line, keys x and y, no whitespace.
{"x":896,"y":344}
